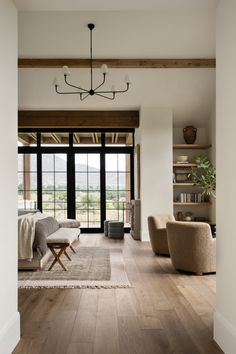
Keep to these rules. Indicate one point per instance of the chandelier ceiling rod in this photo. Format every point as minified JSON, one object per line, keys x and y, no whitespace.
{"x":84,"y":93}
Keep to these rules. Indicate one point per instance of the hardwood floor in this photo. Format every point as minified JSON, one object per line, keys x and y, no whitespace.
{"x":164,"y":311}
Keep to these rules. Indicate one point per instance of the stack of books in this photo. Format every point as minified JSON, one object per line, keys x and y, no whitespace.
{"x":192,"y":198}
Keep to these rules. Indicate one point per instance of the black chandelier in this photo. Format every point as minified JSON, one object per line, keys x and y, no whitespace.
{"x":84,"y":93}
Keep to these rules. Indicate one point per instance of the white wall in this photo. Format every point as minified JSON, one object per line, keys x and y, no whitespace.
{"x":225,"y":316}
{"x":156,"y":164}
{"x":9,"y":317}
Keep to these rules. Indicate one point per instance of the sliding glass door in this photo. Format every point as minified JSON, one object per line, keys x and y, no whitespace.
{"x":88,"y":190}
{"x":83,"y":174}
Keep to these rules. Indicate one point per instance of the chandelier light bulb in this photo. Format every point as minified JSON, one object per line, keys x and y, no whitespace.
{"x":55,"y":82}
{"x":66,"y":70}
{"x":127,"y":79}
{"x":104,"y":69}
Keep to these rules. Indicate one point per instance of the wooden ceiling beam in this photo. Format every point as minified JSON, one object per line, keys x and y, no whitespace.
{"x":78,"y":119}
{"x":117,"y":63}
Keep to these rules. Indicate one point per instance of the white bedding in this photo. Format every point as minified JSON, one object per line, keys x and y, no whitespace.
{"x":26,"y":233}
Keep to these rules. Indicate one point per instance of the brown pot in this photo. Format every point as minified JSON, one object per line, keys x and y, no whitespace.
{"x":190,"y":134}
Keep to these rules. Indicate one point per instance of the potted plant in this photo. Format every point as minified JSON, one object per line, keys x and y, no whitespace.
{"x":204,"y":175}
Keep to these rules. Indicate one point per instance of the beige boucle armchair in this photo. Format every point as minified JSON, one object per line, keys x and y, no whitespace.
{"x":157,"y":233}
{"x":192,"y":247}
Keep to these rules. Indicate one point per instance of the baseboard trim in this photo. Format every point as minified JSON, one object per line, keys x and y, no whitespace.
{"x":10,"y":334}
{"x":224,"y":334}
{"x":145,"y":236}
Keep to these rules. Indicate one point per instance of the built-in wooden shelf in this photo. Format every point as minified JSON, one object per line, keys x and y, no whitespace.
{"x":184,"y":165}
{"x":184,"y":185}
{"x":188,"y":204}
{"x":192,"y":146}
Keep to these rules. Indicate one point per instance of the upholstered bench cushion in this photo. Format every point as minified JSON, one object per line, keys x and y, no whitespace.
{"x":69,"y":223}
{"x":63,"y":235}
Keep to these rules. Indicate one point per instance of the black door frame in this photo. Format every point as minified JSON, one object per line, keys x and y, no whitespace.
{"x":71,"y":150}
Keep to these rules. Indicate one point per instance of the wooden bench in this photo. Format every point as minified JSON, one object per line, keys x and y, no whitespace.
{"x":61,"y":240}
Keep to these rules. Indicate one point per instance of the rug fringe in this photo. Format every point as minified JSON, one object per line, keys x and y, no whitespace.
{"x":74,"y":286}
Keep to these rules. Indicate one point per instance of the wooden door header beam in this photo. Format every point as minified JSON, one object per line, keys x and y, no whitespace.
{"x":78,"y":119}
{"x":117,"y":63}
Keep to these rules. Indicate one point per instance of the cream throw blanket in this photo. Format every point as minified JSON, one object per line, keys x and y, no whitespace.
{"x":26,"y":233}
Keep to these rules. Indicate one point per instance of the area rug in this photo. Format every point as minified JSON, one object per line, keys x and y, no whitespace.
{"x":91,"y":267}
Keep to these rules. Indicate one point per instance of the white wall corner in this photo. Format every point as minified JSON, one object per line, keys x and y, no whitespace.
{"x":10,"y":334}
{"x":224,"y":334}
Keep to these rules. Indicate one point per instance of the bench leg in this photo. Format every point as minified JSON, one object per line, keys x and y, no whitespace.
{"x":72,"y":249}
{"x":57,"y":257}
{"x":66,"y":254}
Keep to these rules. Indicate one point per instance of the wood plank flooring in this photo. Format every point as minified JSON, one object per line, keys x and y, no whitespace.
{"x":164,"y":311}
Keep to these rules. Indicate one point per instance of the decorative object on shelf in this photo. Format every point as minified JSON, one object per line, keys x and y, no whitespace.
{"x":84,"y":93}
{"x":190,"y":134}
{"x":204,"y":175}
{"x":181,"y":159}
{"x":179,"y":216}
{"x":188,"y":216}
{"x":182,"y":176}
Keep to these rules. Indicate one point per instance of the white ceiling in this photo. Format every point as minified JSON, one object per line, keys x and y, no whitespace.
{"x":112,"y":5}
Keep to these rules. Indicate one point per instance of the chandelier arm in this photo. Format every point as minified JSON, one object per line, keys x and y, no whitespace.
{"x":83,"y":97}
{"x":109,"y":98}
{"x":77,"y":87}
{"x":116,"y":91}
{"x":67,"y":93}
{"x":103,"y":82}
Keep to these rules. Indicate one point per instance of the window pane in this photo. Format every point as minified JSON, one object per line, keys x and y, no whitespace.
{"x":112,"y":215}
{"x":47,"y":162}
{"x":81,"y":181}
{"x":61,"y":181}
{"x":111,"y":162}
{"x":124,"y":181}
{"x":61,"y":196}
{"x":123,"y":162}
{"x":60,"y":214}
{"x":81,"y":197}
{"x":94,"y":181}
{"x":48,"y":181}
{"x":93,"y":162}
{"x":48,"y":196}
{"x":60,"y":162}
{"x":93,"y":197}
{"x":81,"y":162}
{"x":111,"y":180}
